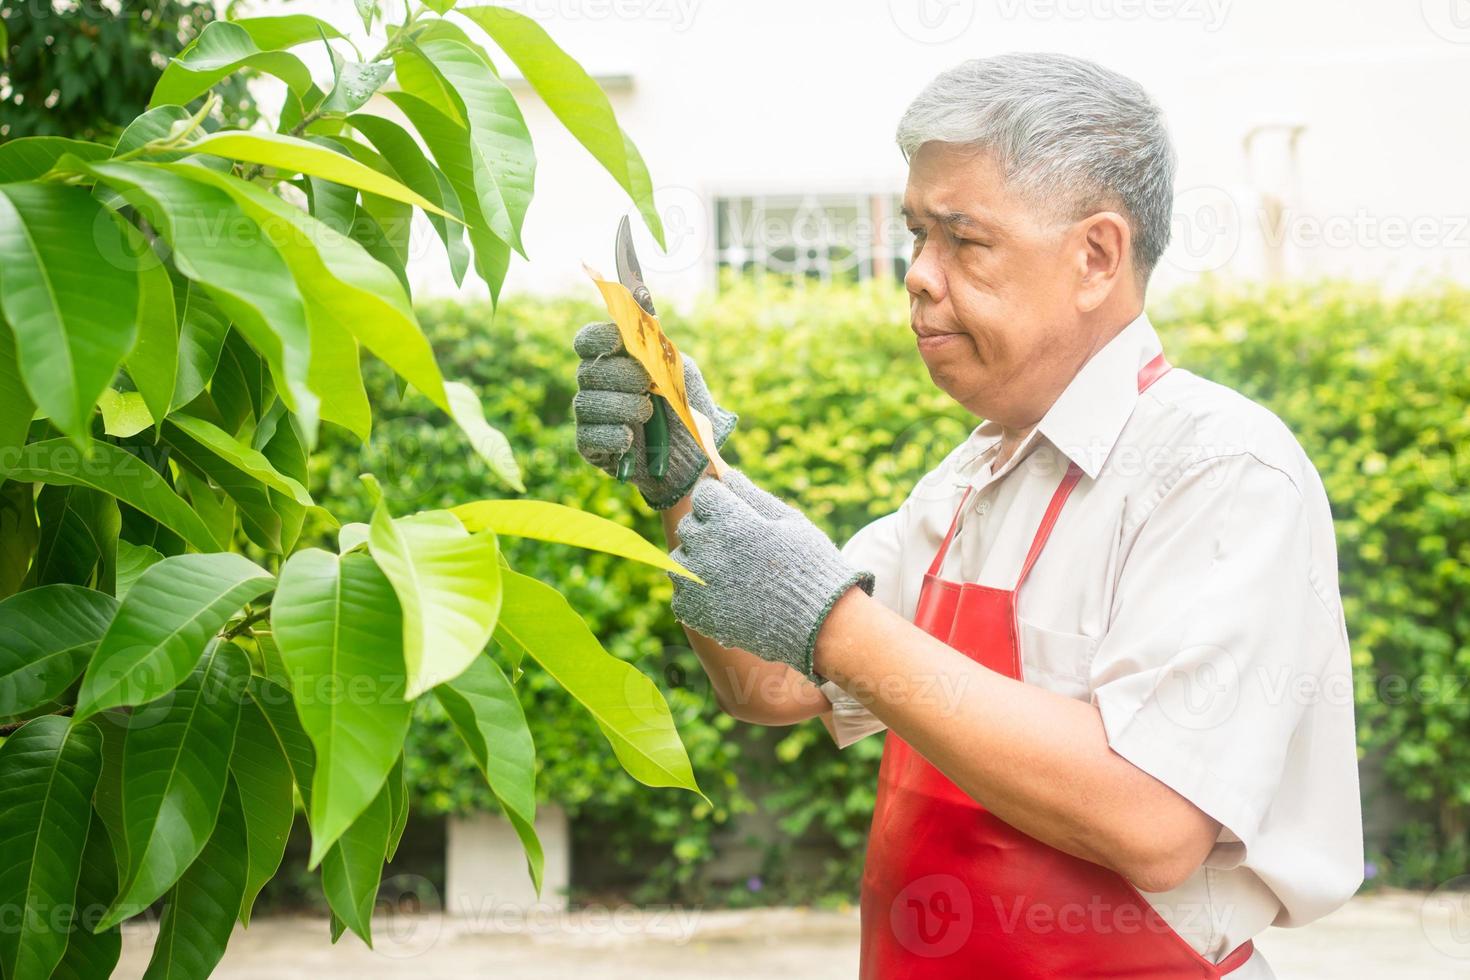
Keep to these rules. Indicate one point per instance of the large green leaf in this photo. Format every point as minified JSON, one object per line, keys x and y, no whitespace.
{"x":547,"y":521}
{"x":202,"y":332}
{"x":281,"y":31}
{"x":278,"y":708}
{"x":48,"y":770}
{"x":31,"y":156}
{"x":448,"y":584}
{"x":292,"y":155}
{"x":92,"y":954}
{"x":484,"y":709}
{"x":626,"y":705}
{"x":132,"y":561}
{"x":222,"y":49}
{"x":162,"y":627}
{"x":398,"y":802}
{"x":240,"y":456}
{"x":114,"y":471}
{"x":450,"y":144}
{"x":249,"y":281}
{"x":153,"y":363}
{"x":70,"y":293}
{"x":19,"y":534}
{"x":501,"y":154}
{"x":16,"y":407}
{"x":340,"y":632}
{"x":353,"y":868}
{"x":281,"y":443}
{"x":46,"y":636}
{"x":573,"y":97}
{"x":343,"y":283}
{"x":176,"y":762}
{"x":79,"y":529}
{"x":199,"y":912}
{"x":263,"y":775}
{"x":401,"y":152}
{"x":488,"y":442}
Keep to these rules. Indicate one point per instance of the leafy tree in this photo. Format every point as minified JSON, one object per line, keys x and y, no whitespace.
{"x":181,"y":313}
{"x":79,"y":67}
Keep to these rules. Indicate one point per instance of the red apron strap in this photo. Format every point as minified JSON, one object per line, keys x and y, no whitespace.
{"x":949,"y":536}
{"x":1147,"y":375}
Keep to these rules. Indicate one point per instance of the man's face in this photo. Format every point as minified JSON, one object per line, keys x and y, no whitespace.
{"x":991,"y":287}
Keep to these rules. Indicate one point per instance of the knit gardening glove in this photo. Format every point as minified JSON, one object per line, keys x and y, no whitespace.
{"x":612,"y":403}
{"x":771,"y":576}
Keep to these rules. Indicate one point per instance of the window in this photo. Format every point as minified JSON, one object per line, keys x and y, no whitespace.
{"x":852,"y":237}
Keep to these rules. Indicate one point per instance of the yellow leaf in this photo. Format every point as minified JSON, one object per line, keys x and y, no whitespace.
{"x":651,"y":347}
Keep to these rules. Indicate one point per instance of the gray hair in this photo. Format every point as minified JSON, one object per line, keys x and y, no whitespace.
{"x":1062,"y":129}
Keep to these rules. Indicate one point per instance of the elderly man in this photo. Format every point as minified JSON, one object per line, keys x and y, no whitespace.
{"x":1104,"y":633}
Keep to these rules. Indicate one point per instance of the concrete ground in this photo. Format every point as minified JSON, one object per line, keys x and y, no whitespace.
{"x":1406,"y":936}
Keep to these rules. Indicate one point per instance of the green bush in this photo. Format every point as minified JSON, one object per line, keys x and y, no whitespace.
{"x":837,"y":413}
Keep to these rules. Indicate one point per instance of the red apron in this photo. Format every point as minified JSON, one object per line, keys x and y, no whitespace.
{"x":950,"y":890}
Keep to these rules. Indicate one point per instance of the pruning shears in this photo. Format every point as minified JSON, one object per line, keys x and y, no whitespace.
{"x":656,"y":429}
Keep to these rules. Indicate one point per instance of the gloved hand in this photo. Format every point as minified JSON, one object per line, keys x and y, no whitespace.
{"x":612,"y":403}
{"x":771,"y":575}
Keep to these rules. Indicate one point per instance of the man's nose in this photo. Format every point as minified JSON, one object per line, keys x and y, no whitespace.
{"x":925,"y":276}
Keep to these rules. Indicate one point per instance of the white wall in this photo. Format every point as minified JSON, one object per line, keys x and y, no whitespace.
{"x":736,"y":95}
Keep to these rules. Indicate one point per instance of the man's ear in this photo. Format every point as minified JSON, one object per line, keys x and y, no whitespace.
{"x":1105,"y":258}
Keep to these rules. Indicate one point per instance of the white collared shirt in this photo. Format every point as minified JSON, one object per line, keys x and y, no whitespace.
{"x":1189,"y":590}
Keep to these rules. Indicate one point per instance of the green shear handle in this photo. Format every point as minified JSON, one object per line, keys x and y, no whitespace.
{"x":655,"y":441}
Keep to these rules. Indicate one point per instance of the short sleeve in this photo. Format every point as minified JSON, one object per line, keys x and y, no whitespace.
{"x":1216,"y":624}
{"x":874,"y":548}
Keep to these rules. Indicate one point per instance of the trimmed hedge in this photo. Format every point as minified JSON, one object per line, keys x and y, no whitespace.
{"x":838,"y":414}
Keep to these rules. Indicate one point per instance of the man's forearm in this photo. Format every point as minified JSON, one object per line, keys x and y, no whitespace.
{"x":746,"y":686}
{"x":1037,"y":759}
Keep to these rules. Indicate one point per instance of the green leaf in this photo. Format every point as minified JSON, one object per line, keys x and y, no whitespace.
{"x":366,"y":9}
{"x":114,"y":471}
{"x":263,"y":775}
{"x":450,"y":144}
{"x":202,"y":332}
{"x":279,"y":711}
{"x":79,"y":529}
{"x":400,"y":151}
{"x":48,"y":770}
{"x":124,"y":413}
{"x":448,"y":584}
{"x":153,"y":363}
{"x":547,"y":521}
{"x":199,"y":912}
{"x":484,"y":709}
{"x":222,"y":49}
{"x":92,"y":954}
{"x":132,"y":561}
{"x":31,"y":156}
{"x":176,"y":763}
{"x":292,"y":155}
{"x":573,"y":97}
{"x":398,"y":804}
{"x":440,"y":7}
{"x":501,"y":154}
{"x":282,"y":444}
{"x":356,"y":83}
{"x":249,"y":281}
{"x":417,"y":77}
{"x":107,"y":801}
{"x":18,"y":534}
{"x":353,"y":868}
{"x":340,"y":633}
{"x":626,"y":705}
{"x":488,"y":442}
{"x":286,"y":30}
{"x":343,"y":284}
{"x":16,"y":408}
{"x":70,"y":293}
{"x":47,"y":635}
{"x":239,"y":455}
{"x":163,"y":626}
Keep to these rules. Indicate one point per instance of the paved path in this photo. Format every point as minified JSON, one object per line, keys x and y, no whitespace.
{"x":1406,"y":936}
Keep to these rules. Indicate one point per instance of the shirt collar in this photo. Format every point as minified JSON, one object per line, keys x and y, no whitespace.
{"x":1087,"y":417}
